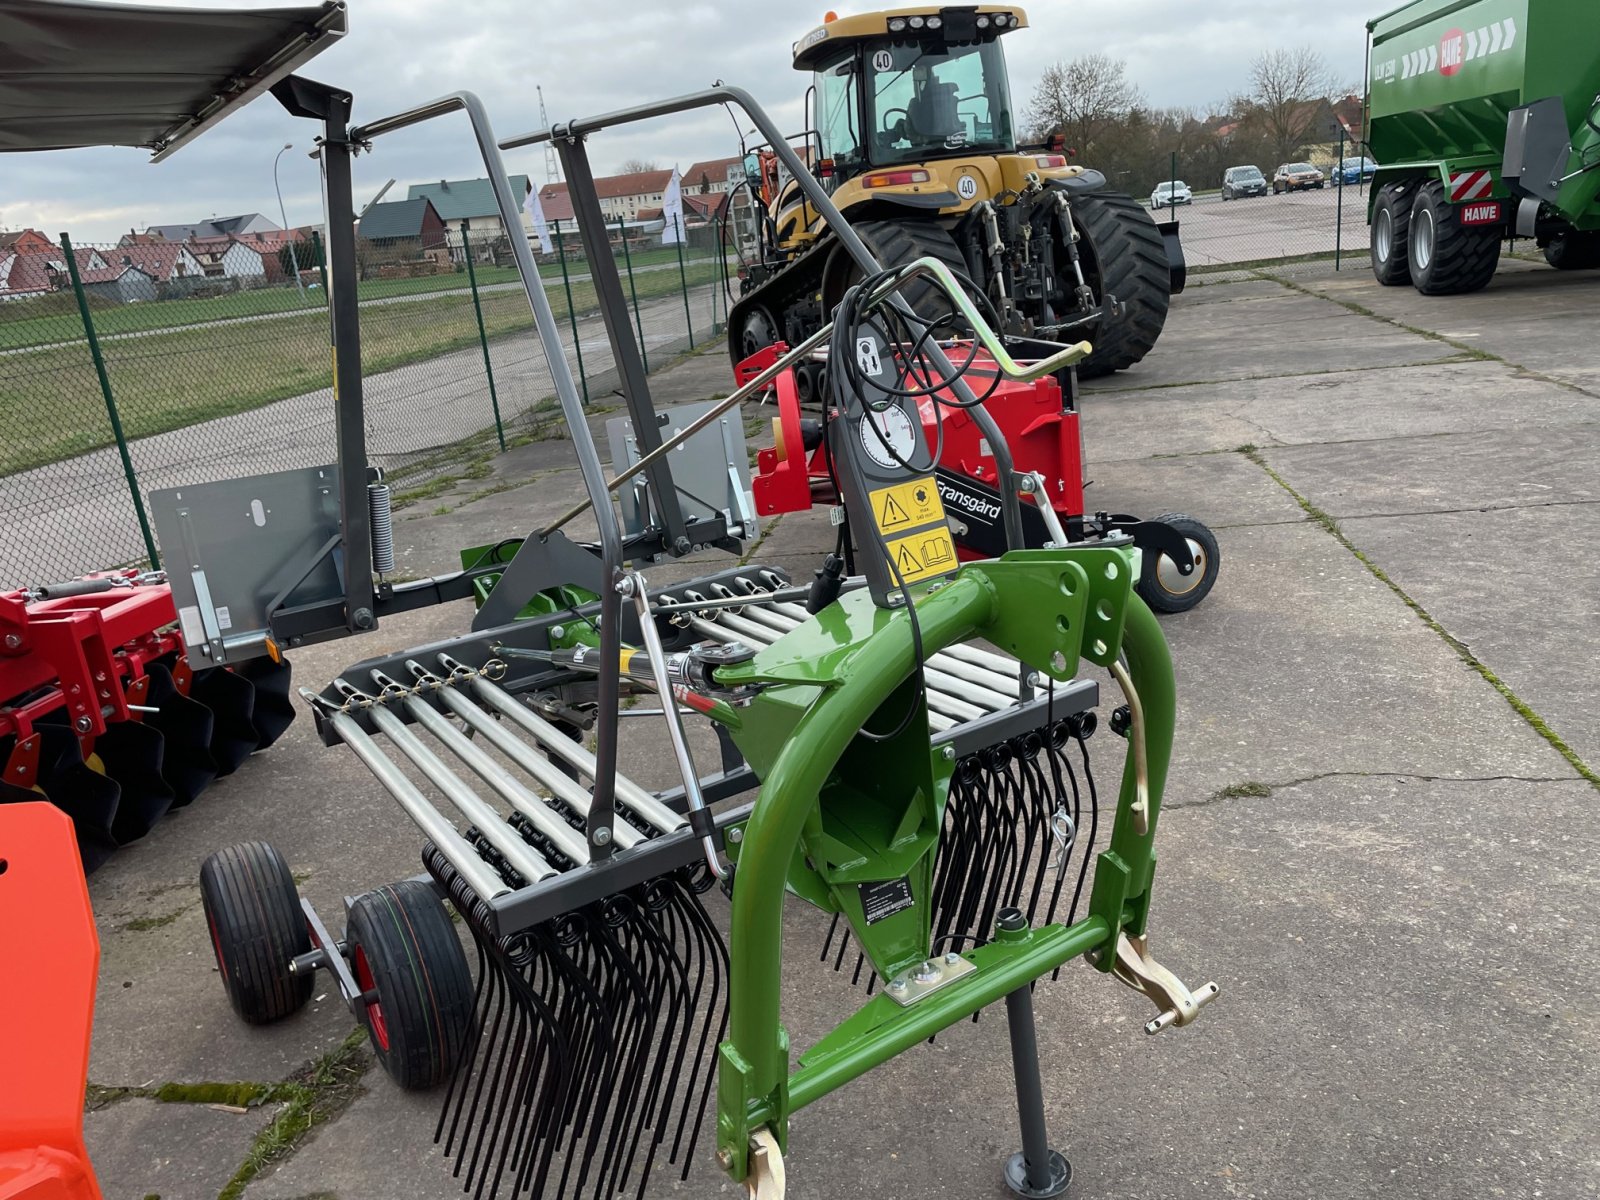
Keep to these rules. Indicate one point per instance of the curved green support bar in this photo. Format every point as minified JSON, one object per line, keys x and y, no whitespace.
{"x":848,"y":669}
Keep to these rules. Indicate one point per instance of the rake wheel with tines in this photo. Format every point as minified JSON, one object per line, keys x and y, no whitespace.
{"x":916,"y":738}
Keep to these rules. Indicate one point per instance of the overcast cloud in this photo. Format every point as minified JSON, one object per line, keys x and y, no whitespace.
{"x":590,"y":57}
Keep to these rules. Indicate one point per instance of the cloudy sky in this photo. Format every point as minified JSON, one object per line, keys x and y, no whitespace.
{"x":597,"y":56}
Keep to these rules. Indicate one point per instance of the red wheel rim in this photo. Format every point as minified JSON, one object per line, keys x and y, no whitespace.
{"x":375,"y":1022}
{"x":216,"y":945}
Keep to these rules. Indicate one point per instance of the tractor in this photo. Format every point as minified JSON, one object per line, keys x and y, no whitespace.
{"x":915,"y":139}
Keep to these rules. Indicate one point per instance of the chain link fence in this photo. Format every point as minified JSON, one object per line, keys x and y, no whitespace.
{"x":134,"y":367}
{"x":1303,"y":214}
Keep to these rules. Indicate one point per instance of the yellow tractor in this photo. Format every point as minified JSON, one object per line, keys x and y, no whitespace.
{"x":915,"y":135}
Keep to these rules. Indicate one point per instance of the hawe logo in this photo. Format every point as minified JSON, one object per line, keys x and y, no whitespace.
{"x":1452,"y":51}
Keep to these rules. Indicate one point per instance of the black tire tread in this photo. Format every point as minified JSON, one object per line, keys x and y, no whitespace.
{"x":1124,"y":254}
{"x":422,"y":979}
{"x":1574,"y":251}
{"x":1464,"y":258}
{"x":895,"y":243}
{"x":253,"y":909}
{"x":1398,"y":272}
{"x":1157,"y":597}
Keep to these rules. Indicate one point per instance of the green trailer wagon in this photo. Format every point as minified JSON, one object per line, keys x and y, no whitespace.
{"x":1486,"y":116}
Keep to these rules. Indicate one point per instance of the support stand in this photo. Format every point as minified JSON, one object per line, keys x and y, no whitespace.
{"x":1036,"y":1171}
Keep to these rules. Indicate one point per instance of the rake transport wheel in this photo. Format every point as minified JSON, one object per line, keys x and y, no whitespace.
{"x":417,"y":988}
{"x":253,"y":913}
{"x":1391,"y":221}
{"x":1123,"y":253}
{"x":1448,"y":258}
{"x":1162,"y":586}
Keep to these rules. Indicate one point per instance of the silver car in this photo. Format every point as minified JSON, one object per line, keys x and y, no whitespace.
{"x":1171,"y":194}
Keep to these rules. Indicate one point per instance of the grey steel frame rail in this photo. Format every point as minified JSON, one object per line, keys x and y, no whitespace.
{"x":569,"y":135}
{"x":601,"y":815}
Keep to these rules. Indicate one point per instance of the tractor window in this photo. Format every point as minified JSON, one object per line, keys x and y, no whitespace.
{"x":839,"y":115}
{"x":933,"y":101}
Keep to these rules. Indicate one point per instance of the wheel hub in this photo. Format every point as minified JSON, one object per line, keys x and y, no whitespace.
{"x":1174,"y":581}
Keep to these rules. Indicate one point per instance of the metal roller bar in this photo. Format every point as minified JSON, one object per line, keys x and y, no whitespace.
{"x":557,"y":743}
{"x":524,"y":859}
{"x":530,"y":804}
{"x":482,"y":878}
{"x":562,"y":787}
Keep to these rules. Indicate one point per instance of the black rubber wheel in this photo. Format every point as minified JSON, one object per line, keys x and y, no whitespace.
{"x":1122,"y":253}
{"x":406,"y":956}
{"x":893,"y":244}
{"x":1448,"y":258}
{"x":1162,"y":587}
{"x":759,"y":331}
{"x":1573,"y":250}
{"x":1391,"y":221}
{"x":253,"y":912}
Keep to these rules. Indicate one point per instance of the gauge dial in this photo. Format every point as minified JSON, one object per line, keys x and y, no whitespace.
{"x":888,"y":430}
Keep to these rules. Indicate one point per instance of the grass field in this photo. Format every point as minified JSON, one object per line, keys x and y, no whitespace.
{"x":51,"y":406}
{"x":55,"y":319}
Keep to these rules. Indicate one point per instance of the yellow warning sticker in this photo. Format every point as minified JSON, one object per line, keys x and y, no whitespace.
{"x":920,"y":555}
{"x":907,"y":505}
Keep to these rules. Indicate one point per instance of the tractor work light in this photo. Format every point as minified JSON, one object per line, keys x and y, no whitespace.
{"x":983,"y":22}
{"x":935,"y":22}
{"x":884,"y":179}
{"x":897,"y":24}
{"x":917,"y":22}
{"x":1050,"y":160}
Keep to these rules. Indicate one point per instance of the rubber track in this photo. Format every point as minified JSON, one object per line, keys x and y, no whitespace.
{"x":1124,"y":254}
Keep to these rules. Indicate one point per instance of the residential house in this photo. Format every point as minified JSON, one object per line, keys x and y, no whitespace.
{"x":711,"y":176}
{"x":622,"y":197}
{"x":472,"y":200}
{"x":123,"y":283}
{"x":698,"y":209}
{"x":239,"y":226}
{"x":164,"y":262}
{"x":404,"y":225}
{"x":32,"y":265}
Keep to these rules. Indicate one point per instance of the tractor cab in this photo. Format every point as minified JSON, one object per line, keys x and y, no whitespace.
{"x":910,"y":86}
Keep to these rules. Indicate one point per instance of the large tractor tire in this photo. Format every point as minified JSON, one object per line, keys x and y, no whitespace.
{"x":1448,"y":258}
{"x":893,"y":244}
{"x":1574,"y":250}
{"x":1391,"y":222}
{"x":1122,"y":253}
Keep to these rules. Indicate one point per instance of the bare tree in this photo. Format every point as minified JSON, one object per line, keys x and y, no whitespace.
{"x":637,"y":166}
{"x":1289,"y":93}
{"x":1082,"y":99}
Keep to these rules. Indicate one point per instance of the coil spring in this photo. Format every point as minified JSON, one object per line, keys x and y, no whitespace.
{"x":380,"y":516}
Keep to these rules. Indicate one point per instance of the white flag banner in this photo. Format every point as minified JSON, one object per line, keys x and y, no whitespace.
{"x":672,"y":211}
{"x":535,"y":212}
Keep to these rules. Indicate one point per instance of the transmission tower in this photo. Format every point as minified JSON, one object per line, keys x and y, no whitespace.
{"x":552,"y":162}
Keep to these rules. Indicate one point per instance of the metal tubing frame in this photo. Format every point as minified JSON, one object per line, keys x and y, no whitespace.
{"x":600,"y":821}
{"x":819,"y":199}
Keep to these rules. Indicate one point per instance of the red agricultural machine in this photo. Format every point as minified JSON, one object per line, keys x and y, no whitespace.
{"x":102,"y":713}
{"x":1040,"y":421}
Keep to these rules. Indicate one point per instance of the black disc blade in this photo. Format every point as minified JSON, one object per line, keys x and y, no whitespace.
{"x":187,"y":764}
{"x":231,"y":699}
{"x":131,"y":754}
{"x":81,"y":792}
{"x":274,"y":710}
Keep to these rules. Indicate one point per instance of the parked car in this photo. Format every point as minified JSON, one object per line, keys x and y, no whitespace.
{"x":1354,"y":170}
{"x":1295,"y":177}
{"x":1171,"y":194}
{"x":1243,"y":181}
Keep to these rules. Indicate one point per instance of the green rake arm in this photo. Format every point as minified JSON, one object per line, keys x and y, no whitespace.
{"x":820,"y":831}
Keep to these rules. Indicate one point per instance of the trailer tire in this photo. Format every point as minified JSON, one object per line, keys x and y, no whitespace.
{"x":1448,"y":258}
{"x":1123,"y":253}
{"x":253,"y":914}
{"x":1161,"y":587}
{"x":1391,"y":222}
{"x":404,"y":952}
{"x":1573,"y":250}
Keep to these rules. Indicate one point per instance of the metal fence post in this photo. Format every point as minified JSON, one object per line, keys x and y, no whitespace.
{"x":1338,"y":220}
{"x":683,"y":279}
{"x":111,"y":404}
{"x":638,"y":324}
{"x":483,"y":336}
{"x":1172,"y":193}
{"x":572,"y":312}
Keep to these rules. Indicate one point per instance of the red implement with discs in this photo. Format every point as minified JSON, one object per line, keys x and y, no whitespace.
{"x":47,"y":1022}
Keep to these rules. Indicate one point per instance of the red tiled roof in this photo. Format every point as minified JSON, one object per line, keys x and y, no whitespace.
{"x":612,"y":187}
{"x":714,"y":169}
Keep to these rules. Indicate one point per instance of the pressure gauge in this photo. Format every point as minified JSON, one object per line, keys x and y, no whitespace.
{"x":888,"y":430}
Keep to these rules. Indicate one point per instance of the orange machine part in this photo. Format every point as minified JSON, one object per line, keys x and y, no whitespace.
{"x":48,"y":941}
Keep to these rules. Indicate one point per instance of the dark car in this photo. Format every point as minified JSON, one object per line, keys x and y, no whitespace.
{"x":1296,"y":176}
{"x":1243,"y":181}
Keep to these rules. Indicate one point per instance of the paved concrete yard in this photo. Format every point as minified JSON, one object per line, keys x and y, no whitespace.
{"x":1372,"y":840}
